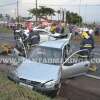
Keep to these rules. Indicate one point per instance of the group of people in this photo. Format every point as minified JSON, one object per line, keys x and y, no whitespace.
{"x":57,"y":28}
{"x":87,"y":41}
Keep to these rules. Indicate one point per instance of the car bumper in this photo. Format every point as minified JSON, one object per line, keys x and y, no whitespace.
{"x":48,"y":91}
{"x":35,"y":86}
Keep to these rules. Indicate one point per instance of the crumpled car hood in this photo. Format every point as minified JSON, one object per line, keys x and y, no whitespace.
{"x":37,"y":71}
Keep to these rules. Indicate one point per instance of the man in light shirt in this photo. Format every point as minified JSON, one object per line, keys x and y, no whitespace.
{"x":91,"y":31}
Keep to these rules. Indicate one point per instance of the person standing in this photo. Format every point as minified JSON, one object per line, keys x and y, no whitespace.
{"x":53,"y":28}
{"x":86,"y":43}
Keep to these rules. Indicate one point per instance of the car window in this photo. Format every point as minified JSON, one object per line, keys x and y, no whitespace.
{"x":46,"y":55}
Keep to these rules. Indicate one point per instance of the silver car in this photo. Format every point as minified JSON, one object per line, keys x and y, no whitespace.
{"x":46,"y":35}
{"x":47,"y":64}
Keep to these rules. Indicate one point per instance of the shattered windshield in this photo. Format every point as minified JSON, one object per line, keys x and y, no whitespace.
{"x":46,"y":55}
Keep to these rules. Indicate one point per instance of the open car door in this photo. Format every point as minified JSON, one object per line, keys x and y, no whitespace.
{"x":77,"y":64}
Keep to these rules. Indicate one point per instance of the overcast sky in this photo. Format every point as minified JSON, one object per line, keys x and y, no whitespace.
{"x":88,"y":9}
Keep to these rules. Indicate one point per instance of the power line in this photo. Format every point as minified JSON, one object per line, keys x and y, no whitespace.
{"x":69,"y":5}
{"x":61,"y":4}
{"x":8,"y":4}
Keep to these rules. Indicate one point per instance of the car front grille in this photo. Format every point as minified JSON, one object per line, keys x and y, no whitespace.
{"x":28,"y":82}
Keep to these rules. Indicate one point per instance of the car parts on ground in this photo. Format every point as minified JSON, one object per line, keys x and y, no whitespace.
{"x":5,"y":49}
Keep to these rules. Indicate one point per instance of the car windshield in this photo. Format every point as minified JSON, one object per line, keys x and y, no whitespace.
{"x":46,"y":55}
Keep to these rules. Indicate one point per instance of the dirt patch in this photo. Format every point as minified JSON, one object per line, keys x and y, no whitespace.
{"x":5,"y":68}
{"x":80,"y":88}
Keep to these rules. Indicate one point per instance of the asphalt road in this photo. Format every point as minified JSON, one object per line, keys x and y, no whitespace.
{"x":7,"y":39}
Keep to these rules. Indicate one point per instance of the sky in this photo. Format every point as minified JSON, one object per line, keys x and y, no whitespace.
{"x":88,"y":9}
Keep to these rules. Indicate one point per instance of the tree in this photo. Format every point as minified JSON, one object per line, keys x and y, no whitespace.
{"x":7,"y":17}
{"x":42,"y":11}
{"x":68,"y":17}
{"x":73,"y":18}
{"x":58,"y":12}
{"x":1,"y":16}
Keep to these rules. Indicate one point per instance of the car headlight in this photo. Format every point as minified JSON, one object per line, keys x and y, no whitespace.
{"x":50,"y":84}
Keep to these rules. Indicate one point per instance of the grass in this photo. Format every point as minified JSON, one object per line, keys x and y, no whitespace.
{"x":12,"y":91}
{"x":5,"y":30}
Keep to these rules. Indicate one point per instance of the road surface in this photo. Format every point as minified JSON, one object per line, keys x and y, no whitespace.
{"x":7,"y":39}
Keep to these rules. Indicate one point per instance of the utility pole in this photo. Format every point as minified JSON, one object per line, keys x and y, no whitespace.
{"x":60,"y":14}
{"x":36,"y":12}
{"x":80,"y":12}
{"x":15,"y":13}
{"x":85,"y":13}
{"x":18,"y":11}
{"x":63,"y":14}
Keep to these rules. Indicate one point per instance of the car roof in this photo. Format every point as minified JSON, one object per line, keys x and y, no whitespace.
{"x":58,"y":44}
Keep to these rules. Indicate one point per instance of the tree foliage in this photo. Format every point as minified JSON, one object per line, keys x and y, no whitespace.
{"x":1,"y":16}
{"x":42,"y":11}
{"x":73,"y":18}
